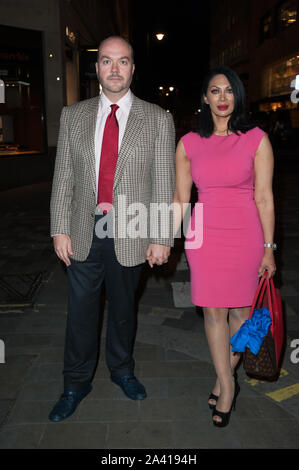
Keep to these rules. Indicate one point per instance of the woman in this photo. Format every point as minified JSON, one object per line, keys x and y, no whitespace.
{"x":231,"y":163}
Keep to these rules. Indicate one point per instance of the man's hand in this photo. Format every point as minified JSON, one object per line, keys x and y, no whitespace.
{"x":63,"y":248}
{"x":157,"y":254}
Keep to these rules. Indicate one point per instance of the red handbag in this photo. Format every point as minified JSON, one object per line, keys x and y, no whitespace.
{"x":266,"y":362}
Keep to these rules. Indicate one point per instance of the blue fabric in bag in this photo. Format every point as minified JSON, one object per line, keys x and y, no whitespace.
{"x":252,"y":332}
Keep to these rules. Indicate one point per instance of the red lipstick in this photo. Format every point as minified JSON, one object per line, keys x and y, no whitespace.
{"x":223,"y":107}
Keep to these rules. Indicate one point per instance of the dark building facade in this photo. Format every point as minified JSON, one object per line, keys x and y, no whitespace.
{"x":259,"y":40}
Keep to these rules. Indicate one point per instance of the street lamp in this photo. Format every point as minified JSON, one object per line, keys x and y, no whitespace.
{"x":150,"y":40}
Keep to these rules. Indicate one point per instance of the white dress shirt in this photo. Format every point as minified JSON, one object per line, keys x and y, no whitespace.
{"x":104,"y":110}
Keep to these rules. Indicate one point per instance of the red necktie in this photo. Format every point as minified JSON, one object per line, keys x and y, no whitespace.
{"x":109,"y":154}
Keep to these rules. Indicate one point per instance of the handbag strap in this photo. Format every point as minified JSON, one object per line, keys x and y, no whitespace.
{"x":275,"y":310}
{"x":266,"y":283}
{"x":259,"y":292}
{"x":262,"y":292}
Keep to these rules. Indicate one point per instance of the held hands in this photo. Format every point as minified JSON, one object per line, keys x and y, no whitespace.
{"x":267,"y":264}
{"x":157,"y":254}
{"x":63,"y":248}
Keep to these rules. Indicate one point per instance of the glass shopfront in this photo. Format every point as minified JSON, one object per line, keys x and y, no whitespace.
{"x":22,"y":116}
{"x":278,"y":87}
{"x":278,"y":84}
{"x":278,"y":77}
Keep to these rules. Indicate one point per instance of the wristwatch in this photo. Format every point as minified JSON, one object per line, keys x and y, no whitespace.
{"x":270,"y":245}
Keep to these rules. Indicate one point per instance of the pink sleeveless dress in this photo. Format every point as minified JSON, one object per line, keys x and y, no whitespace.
{"x":224,"y":269}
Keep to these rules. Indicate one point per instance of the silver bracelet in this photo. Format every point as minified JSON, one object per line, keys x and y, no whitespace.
{"x":270,"y":245}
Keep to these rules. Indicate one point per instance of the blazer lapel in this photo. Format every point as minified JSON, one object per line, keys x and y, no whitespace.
{"x":88,"y":135}
{"x":131,"y":136}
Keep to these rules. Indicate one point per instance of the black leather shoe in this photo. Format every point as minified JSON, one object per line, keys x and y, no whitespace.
{"x":130,"y":386}
{"x":67,"y":404}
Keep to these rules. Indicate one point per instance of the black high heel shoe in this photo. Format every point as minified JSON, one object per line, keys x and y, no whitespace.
{"x":212,"y":396}
{"x":225,"y":417}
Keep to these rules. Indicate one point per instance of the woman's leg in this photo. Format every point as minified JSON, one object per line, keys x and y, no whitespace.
{"x":237,"y":316}
{"x":217,"y":331}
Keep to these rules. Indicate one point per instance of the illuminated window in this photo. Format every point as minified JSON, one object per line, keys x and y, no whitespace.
{"x":277,"y":77}
{"x":287,"y":14}
{"x":266,"y":26}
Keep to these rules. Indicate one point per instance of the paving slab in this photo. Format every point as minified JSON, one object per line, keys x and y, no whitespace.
{"x":72,"y":435}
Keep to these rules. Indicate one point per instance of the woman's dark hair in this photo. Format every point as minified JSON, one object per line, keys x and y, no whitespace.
{"x":239,"y":120}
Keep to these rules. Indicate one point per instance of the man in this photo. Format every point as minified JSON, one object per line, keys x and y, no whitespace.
{"x":107,"y":154}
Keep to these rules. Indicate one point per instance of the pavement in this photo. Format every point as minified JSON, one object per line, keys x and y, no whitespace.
{"x":171,"y":353}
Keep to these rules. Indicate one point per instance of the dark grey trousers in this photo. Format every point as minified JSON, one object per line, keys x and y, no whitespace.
{"x":82,"y":331}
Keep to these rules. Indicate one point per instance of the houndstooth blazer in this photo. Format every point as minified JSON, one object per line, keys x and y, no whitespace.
{"x":145,"y":173}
